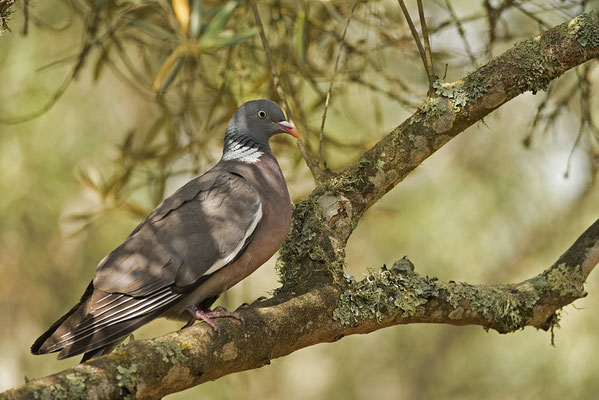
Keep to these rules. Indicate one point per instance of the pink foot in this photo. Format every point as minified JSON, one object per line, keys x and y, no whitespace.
{"x":218,"y":312}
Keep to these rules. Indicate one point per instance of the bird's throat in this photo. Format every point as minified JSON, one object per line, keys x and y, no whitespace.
{"x":241,"y":148}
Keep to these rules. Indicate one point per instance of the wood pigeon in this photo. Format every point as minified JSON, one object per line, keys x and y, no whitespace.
{"x":207,"y":236}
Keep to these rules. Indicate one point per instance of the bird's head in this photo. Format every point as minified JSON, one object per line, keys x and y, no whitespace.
{"x":260,"y":119}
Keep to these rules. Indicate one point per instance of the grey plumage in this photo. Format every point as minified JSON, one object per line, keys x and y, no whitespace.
{"x":210,"y":234}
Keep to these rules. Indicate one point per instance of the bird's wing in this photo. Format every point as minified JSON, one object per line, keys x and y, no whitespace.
{"x":201,"y":228}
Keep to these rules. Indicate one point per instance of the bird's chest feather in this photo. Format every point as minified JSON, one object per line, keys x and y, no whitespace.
{"x":268,"y":237}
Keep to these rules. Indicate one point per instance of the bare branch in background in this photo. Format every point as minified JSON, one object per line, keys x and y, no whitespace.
{"x":312,"y":165}
{"x":430,"y":70}
{"x":461,"y":31}
{"x":330,"y":91}
{"x":423,"y":54}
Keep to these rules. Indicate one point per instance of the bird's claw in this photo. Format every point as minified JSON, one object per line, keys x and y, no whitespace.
{"x":209,"y":316}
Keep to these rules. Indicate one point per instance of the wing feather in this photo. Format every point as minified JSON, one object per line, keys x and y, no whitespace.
{"x":130,"y":309}
{"x":201,"y":228}
{"x":185,"y":238}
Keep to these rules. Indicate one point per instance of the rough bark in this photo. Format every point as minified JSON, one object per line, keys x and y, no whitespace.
{"x":317,"y":303}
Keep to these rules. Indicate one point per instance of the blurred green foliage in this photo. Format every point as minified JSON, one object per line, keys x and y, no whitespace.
{"x":121,"y":102}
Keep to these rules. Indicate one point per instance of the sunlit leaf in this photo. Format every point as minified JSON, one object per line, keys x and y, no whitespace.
{"x":223,"y":41}
{"x":89,"y":178}
{"x":181,"y":9}
{"x":168,"y":71}
{"x":195,"y":23}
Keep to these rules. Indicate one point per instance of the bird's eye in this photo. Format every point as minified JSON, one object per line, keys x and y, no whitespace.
{"x":261,"y":114}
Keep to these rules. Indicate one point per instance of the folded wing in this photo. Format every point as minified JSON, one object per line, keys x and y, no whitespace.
{"x":201,"y":228}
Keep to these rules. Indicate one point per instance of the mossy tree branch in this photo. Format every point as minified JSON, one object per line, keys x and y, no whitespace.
{"x":316,"y":304}
{"x":151,"y":369}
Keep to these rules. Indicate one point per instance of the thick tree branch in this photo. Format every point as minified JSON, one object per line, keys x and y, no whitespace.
{"x":325,"y":307}
{"x":151,"y":369}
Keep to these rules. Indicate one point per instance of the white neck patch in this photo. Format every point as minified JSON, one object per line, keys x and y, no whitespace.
{"x":243,"y":153}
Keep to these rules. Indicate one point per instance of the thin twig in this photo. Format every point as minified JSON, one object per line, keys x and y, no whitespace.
{"x":416,"y":38}
{"x":351,"y":49}
{"x":532,"y":16}
{"x":329,"y":92}
{"x":430,"y":70}
{"x":314,"y":168}
{"x":580,"y":132}
{"x":584,"y":115}
{"x":25,"y":17}
{"x":405,"y":103}
{"x":461,"y":31}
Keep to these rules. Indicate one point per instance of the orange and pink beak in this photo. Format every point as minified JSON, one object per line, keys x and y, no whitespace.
{"x":289,"y":128}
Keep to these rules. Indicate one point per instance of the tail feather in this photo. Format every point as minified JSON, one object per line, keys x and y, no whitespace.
{"x":107,"y":338}
{"x":98,"y":322}
{"x":37,"y":345}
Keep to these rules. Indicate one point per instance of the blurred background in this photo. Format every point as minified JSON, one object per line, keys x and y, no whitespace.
{"x":107,"y":106}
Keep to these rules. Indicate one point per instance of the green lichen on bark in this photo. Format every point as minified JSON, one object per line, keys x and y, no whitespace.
{"x":308,"y":248}
{"x":72,"y":388}
{"x":127,"y":378}
{"x":531,"y":69}
{"x":76,"y":385}
{"x":506,"y":308}
{"x":347,"y":183}
{"x":561,"y":279}
{"x":400,"y":290}
{"x":172,"y":351}
{"x":427,"y":111}
{"x":383,"y":293}
{"x":55,"y":392}
{"x":476,"y":85}
{"x":300,"y":243}
{"x":586,"y":29}
{"x":461,"y":93}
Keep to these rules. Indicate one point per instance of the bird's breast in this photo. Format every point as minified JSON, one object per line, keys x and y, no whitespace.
{"x":268,"y":237}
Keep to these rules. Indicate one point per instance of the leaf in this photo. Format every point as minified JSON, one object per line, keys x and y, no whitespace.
{"x":231,"y":41}
{"x":169,"y":70}
{"x":171,"y":76}
{"x":86,"y":179}
{"x":153,"y":30}
{"x":301,"y":38}
{"x":182,"y":13}
{"x":195,"y":23}
{"x":220,"y":19}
